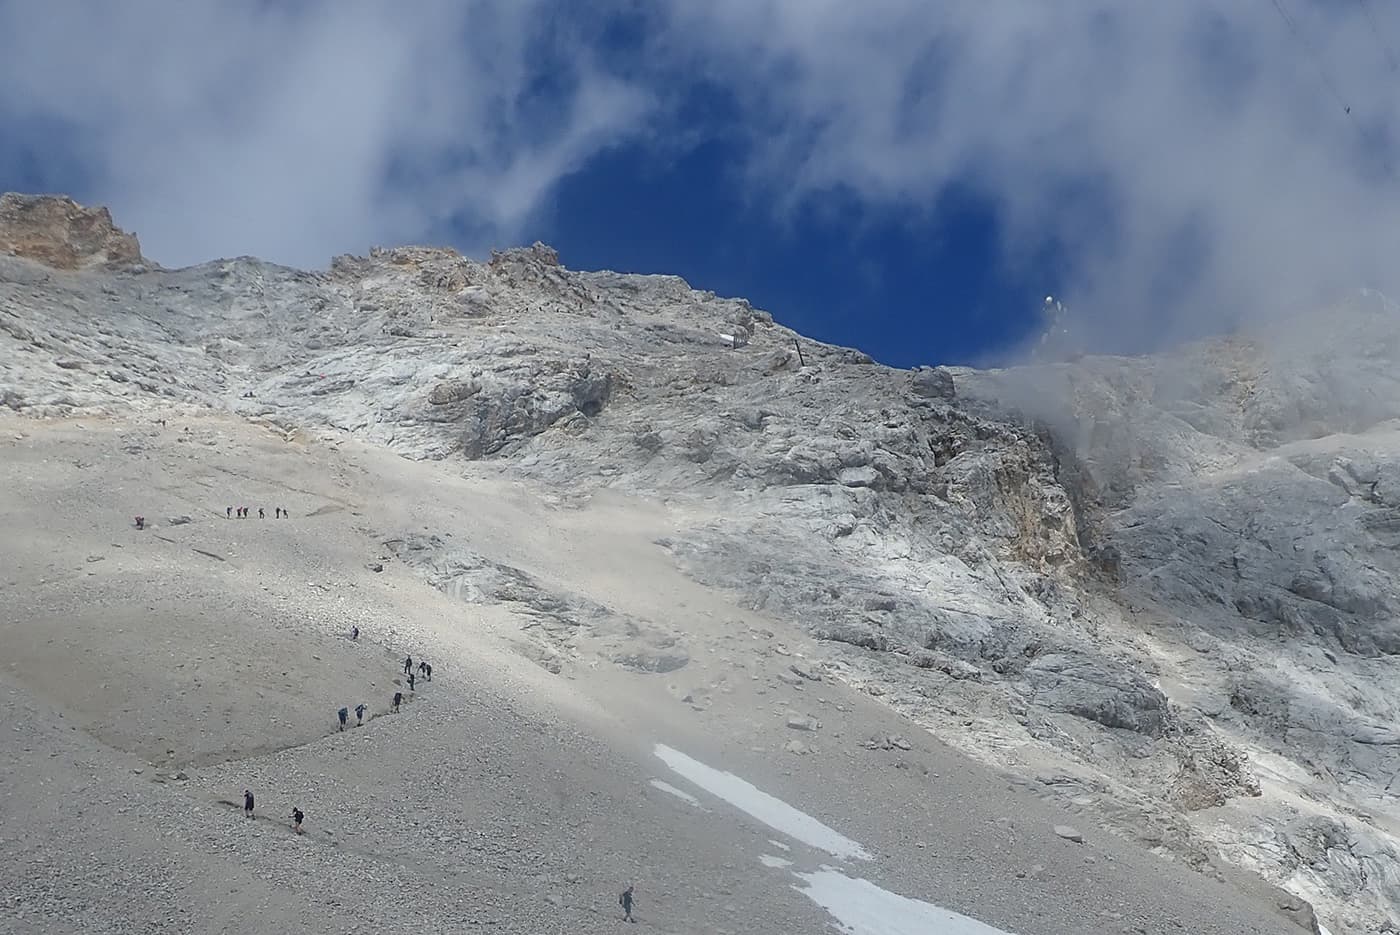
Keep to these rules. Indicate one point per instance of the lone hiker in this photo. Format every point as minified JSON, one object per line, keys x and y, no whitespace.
{"x":344,"y":713}
{"x":297,"y":818}
{"x":625,"y":901}
{"x":408,"y":666}
{"x":140,"y":522}
{"x":359,"y":714}
{"x":398,"y":699}
{"x":248,"y":803}
{"x":354,"y":632}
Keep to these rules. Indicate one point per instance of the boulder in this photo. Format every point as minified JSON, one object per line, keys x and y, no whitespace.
{"x":453,"y":391}
{"x":1095,"y":690}
{"x":933,"y":383}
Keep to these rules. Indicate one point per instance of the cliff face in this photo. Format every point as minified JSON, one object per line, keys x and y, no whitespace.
{"x":1165,"y":596}
{"x":60,"y":233}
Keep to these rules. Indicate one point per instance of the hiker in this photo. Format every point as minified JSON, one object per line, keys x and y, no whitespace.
{"x":344,"y":713}
{"x":422,"y":667}
{"x":140,"y":522}
{"x":359,"y":714}
{"x":248,"y":803}
{"x":277,"y":512}
{"x":410,"y":680}
{"x":297,"y":817}
{"x":285,"y":514}
{"x":408,"y":665}
{"x":228,"y":512}
{"x":261,"y":514}
{"x":430,"y":672}
{"x":398,"y":699}
{"x":354,"y":633}
{"x":625,"y":901}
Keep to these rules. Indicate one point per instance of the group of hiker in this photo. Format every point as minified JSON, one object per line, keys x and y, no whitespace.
{"x":241,"y":512}
{"x":360,"y":709}
{"x":424,"y":669}
{"x":280,"y":512}
{"x":297,"y":814}
{"x":412,"y":672}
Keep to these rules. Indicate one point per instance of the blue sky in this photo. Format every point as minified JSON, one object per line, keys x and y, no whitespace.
{"x":907,"y":287}
{"x":906,"y":177}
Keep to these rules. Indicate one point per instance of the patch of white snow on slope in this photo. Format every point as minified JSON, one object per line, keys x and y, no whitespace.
{"x":678,"y":793}
{"x":862,"y":908}
{"x":773,"y":812}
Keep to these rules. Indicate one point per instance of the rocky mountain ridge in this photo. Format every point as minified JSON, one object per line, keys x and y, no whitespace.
{"x":1163,"y":598}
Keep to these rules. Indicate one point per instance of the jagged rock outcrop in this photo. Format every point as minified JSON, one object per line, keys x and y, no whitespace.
{"x":60,"y":233}
{"x":1241,"y":486}
{"x":1171,"y":579}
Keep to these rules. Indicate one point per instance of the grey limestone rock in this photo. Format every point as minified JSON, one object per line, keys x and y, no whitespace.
{"x":1089,"y":556}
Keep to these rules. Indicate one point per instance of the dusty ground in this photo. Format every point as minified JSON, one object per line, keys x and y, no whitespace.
{"x":150,"y":676}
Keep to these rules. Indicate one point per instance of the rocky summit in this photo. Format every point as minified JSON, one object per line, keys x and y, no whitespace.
{"x":1133,"y":619}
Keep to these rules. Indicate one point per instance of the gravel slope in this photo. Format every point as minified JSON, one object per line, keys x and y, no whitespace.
{"x":149,"y":686}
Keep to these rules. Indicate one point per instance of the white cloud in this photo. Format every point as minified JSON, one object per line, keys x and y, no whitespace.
{"x":1190,"y":158}
{"x":295,"y":131}
{"x":1234,"y":184}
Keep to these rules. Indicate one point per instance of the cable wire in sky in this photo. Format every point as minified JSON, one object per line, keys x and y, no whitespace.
{"x":1386,"y":47}
{"x":1313,"y":55}
{"x":1367,"y":139}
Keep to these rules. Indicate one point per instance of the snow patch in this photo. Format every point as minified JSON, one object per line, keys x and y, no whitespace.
{"x":862,"y":908}
{"x":780,"y":845}
{"x":777,"y":863}
{"x":773,"y":812}
{"x":678,"y":793}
